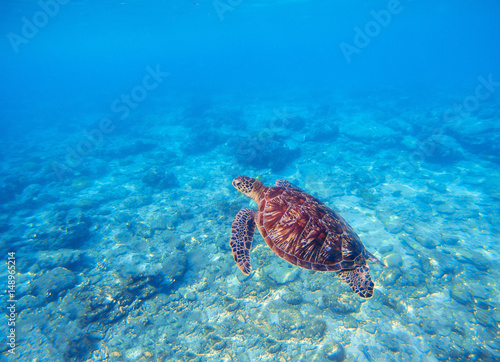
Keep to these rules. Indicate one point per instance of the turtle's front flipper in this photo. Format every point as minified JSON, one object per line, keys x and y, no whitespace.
{"x":241,"y":239}
{"x":359,"y":280}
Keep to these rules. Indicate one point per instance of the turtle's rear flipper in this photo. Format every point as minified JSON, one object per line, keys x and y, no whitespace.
{"x":359,"y":280}
{"x":285,"y":184}
{"x":373,"y":258}
{"x":241,"y":239}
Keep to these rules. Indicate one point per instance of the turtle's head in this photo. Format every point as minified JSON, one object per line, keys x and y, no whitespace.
{"x":248,"y":186}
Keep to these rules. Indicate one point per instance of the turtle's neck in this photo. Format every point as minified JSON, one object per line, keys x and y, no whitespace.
{"x":258,"y":191}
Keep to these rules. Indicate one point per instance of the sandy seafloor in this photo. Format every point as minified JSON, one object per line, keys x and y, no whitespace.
{"x":128,"y":259}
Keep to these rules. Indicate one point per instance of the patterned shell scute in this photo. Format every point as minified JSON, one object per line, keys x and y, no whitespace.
{"x":302,"y":230}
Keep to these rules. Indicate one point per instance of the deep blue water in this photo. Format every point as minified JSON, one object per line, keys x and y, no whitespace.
{"x":123,"y":124}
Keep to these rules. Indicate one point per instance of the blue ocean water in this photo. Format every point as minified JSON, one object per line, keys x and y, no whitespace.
{"x":123,"y":124}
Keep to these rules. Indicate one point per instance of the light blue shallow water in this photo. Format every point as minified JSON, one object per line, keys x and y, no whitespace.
{"x":124,"y":123}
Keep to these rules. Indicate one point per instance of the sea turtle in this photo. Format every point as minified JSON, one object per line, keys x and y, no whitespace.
{"x":301,"y":230}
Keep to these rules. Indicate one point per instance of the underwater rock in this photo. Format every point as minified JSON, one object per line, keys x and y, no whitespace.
{"x":160,"y":270}
{"x":184,"y":213}
{"x":487,"y":113}
{"x":350,"y":322}
{"x":364,"y":179}
{"x":188,"y":294}
{"x":436,"y":264}
{"x":88,"y":202}
{"x":443,"y":150}
{"x":187,"y":227}
{"x":434,"y":185}
{"x":393,"y":228}
{"x":292,"y":298}
{"x":479,"y":291}
{"x":11,"y":186}
{"x":370,"y":328}
{"x":265,"y":154}
{"x":369,"y":197}
{"x":341,"y":304}
{"x":198,"y":107}
{"x":288,"y":122}
{"x":95,"y":168}
{"x":426,"y":237}
{"x":460,"y":292}
{"x":325,"y":132}
{"x":163,"y":222}
{"x":117,"y":193}
{"x":389,"y":276}
{"x":81,"y":183}
{"x":494,"y":344}
{"x":314,"y":328}
{"x":30,"y":301}
{"x":485,"y":318}
{"x":36,"y":344}
{"x":198,"y":183}
{"x":384,"y":249}
{"x":30,"y":196}
{"x":282,"y":275}
{"x":372,"y":133}
{"x":4,"y":223}
{"x":332,"y":351}
{"x":291,"y":320}
{"x":233,"y":307}
{"x":202,"y":141}
{"x":475,"y":258}
{"x":491,"y":186}
{"x":219,"y":346}
{"x":75,"y":228}
{"x":136,"y":201}
{"x":65,"y":258}
{"x":390,"y":341}
{"x":445,"y":349}
{"x":393,"y":260}
{"x":446,"y":208}
{"x":450,"y":239}
{"x":480,"y":136}
{"x":160,"y":179}
{"x":412,"y":277}
{"x":101,"y":305}
{"x":53,"y":283}
{"x":135,"y":149}
{"x":139,"y":230}
{"x":228,"y":209}
{"x":68,"y":230}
